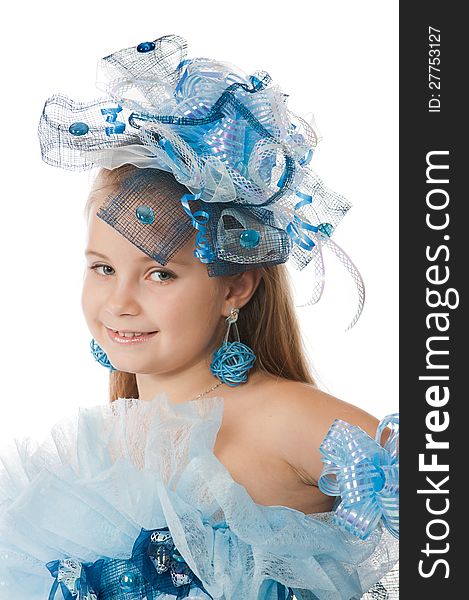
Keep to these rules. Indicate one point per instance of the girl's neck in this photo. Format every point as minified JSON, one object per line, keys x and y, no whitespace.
{"x":186,"y":386}
{"x":180,"y":386}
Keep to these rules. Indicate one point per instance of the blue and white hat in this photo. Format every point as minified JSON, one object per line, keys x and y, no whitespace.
{"x":241,"y":157}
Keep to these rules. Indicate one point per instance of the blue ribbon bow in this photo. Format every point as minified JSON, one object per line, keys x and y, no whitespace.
{"x":364,"y":474}
{"x":74,"y":578}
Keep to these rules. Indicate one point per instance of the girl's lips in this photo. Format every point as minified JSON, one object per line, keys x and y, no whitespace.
{"x":115,"y":337}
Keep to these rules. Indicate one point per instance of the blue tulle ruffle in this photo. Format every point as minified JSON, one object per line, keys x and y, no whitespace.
{"x":113,"y":473}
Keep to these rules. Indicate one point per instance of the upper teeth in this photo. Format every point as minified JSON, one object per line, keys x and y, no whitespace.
{"x":128,"y":334}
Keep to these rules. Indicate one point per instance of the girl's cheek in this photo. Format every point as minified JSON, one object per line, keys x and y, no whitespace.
{"x":90,"y":299}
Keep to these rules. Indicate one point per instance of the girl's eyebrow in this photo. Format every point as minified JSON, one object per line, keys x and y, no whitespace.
{"x":140,"y":259}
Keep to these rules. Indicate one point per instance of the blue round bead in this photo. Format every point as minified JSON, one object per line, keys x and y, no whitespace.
{"x":250,"y":238}
{"x":177,"y":557}
{"x":326,"y":228}
{"x":145,"y":214}
{"x":128,"y":581}
{"x":78,"y":128}
{"x":146,"y":47}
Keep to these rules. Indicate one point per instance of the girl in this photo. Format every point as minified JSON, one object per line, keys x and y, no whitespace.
{"x":212,"y":471}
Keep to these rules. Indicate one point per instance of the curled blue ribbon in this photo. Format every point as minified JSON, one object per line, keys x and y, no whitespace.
{"x":297,"y":224}
{"x":183,"y":63}
{"x":111,"y":117}
{"x":202,"y":251}
{"x":364,"y":474}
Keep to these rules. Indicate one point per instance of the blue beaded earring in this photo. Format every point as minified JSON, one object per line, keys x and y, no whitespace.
{"x":232,"y":361}
{"x":100,"y":355}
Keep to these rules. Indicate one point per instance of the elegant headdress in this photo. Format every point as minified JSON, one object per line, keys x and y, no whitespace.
{"x":228,"y":138}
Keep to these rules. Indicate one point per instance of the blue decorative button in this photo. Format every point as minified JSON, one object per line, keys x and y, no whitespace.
{"x":146,"y":47}
{"x":145,"y":214}
{"x":128,"y":581}
{"x":78,"y":128}
{"x":378,"y":482}
{"x":326,"y":228}
{"x":250,"y":238}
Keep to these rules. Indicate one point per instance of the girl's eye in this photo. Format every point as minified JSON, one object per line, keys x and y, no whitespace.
{"x":163,"y":275}
{"x":96,"y":267}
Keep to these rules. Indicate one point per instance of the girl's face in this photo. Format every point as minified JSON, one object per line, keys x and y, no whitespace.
{"x":126,"y":290}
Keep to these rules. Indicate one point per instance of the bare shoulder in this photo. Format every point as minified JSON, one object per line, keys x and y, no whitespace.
{"x":301,"y":415}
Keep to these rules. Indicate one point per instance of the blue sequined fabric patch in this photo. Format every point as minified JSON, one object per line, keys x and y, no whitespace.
{"x":155,"y":567}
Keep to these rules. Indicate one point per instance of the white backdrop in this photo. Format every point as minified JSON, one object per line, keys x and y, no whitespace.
{"x":338,"y":60}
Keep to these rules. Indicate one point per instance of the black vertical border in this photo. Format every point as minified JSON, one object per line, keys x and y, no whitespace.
{"x":422,"y":132}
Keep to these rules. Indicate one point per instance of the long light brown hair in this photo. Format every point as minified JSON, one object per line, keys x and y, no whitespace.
{"x":267,"y":323}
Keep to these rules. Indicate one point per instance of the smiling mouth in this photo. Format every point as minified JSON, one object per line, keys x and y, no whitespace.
{"x":130,"y":338}
{"x":129,"y":333}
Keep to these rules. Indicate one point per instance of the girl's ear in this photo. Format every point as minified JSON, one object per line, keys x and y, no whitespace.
{"x":240,"y":288}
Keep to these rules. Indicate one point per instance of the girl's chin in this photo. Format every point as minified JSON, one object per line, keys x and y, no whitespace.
{"x":138,"y":364}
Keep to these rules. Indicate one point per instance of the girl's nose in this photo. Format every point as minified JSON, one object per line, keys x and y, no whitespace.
{"x":123,"y":300}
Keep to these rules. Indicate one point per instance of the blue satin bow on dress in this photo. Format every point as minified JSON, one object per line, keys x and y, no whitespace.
{"x":364,"y":474}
